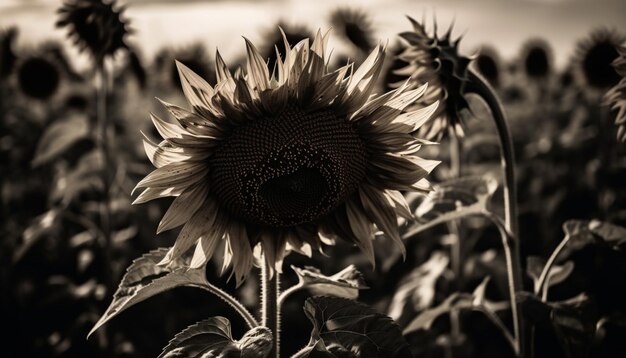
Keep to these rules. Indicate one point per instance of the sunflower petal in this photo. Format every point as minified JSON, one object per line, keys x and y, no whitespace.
{"x":184,"y":207}
{"x":362,"y":229}
{"x":155,"y":193}
{"x":381,"y":213}
{"x":258,"y":74}
{"x":197,"y":91}
{"x":179,"y":174}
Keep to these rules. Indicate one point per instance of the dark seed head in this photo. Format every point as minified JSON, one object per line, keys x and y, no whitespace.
{"x":38,"y":78}
{"x":289,"y":169}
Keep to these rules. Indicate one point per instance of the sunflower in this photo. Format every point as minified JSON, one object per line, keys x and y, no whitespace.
{"x":38,"y":76}
{"x":435,"y":60}
{"x":7,"y":55}
{"x":487,"y":63}
{"x":95,"y":25}
{"x":594,"y":57}
{"x":536,"y":59}
{"x":355,"y":27}
{"x":616,"y":97}
{"x":286,"y":161}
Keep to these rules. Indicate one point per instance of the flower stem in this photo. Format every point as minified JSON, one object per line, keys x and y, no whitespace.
{"x":480,"y":87}
{"x":270,"y":310}
{"x":102,"y":139}
{"x":543,"y":278}
{"x":514,"y":276}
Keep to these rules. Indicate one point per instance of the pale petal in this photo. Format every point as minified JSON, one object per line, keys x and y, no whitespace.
{"x":184,"y":207}
{"x":197,"y":91}
{"x":179,"y":174}
{"x":155,"y":193}
{"x":381,"y":213}
{"x":258,"y":74}
{"x":362,"y":228}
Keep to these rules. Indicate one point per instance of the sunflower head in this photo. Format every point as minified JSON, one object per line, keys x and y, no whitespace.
{"x":38,"y":76}
{"x":436,"y":60}
{"x":355,"y":27}
{"x":536,"y":59}
{"x":95,"y":25}
{"x":487,"y":63}
{"x":594,"y":57}
{"x":7,"y":56}
{"x":285,"y":160}
{"x":616,"y":97}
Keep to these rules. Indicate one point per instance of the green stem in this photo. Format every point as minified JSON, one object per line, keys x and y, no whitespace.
{"x":270,"y":285}
{"x":543,"y":278}
{"x":514,"y":276}
{"x":480,"y":87}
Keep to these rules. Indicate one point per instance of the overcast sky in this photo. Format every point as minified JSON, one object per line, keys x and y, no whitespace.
{"x":503,"y":24}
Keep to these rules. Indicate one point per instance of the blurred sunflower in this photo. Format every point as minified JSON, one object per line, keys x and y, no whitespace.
{"x":594,"y":57}
{"x":616,"y":97}
{"x":536,"y":59}
{"x":487,"y":63}
{"x":287,"y":161}
{"x":38,"y":76}
{"x":7,"y":55}
{"x":354,"y":26}
{"x":95,"y":25}
{"x":275,"y":46}
{"x":435,"y":60}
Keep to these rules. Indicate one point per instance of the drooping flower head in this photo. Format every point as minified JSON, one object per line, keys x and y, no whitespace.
{"x":354,"y":26}
{"x":487,"y":62}
{"x":94,"y":25}
{"x":616,"y":97}
{"x":436,"y":60}
{"x":536,"y":59}
{"x":594,"y":58}
{"x":286,"y":160}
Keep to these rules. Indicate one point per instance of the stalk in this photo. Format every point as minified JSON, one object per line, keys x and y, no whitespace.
{"x":102,"y":143}
{"x":514,"y":275}
{"x":480,"y":87}
{"x":270,"y":312}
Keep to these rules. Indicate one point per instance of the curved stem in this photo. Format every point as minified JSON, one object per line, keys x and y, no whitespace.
{"x":232,"y":301}
{"x":543,"y":278}
{"x":270,"y":311}
{"x":286,"y":293}
{"x":480,"y":87}
{"x":514,"y":276}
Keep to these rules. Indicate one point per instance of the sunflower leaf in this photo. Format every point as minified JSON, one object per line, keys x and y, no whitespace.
{"x":557,"y":274}
{"x":342,"y":325}
{"x":59,"y":137}
{"x":574,"y":320}
{"x":144,"y":279}
{"x":453,"y":200}
{"x":587,"y":232}
{"x":212,"y":338}
{"x":345,"y":283}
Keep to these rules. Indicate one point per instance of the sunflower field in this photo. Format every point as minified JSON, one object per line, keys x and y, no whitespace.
{"x":311,"y":189}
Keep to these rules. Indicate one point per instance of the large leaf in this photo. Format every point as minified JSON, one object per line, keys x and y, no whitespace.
{"x":144,"y":279}
{"x":346,"y":328}
{"x":453,"y":200}
{"x":574,"y":320}
{"x":460,"y":301}
{"x":59,"y":136}
{"x":586,"y":232}
{"x":212,"y":338}
{"x":345,"y":283}
{"x":416,"y":291}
